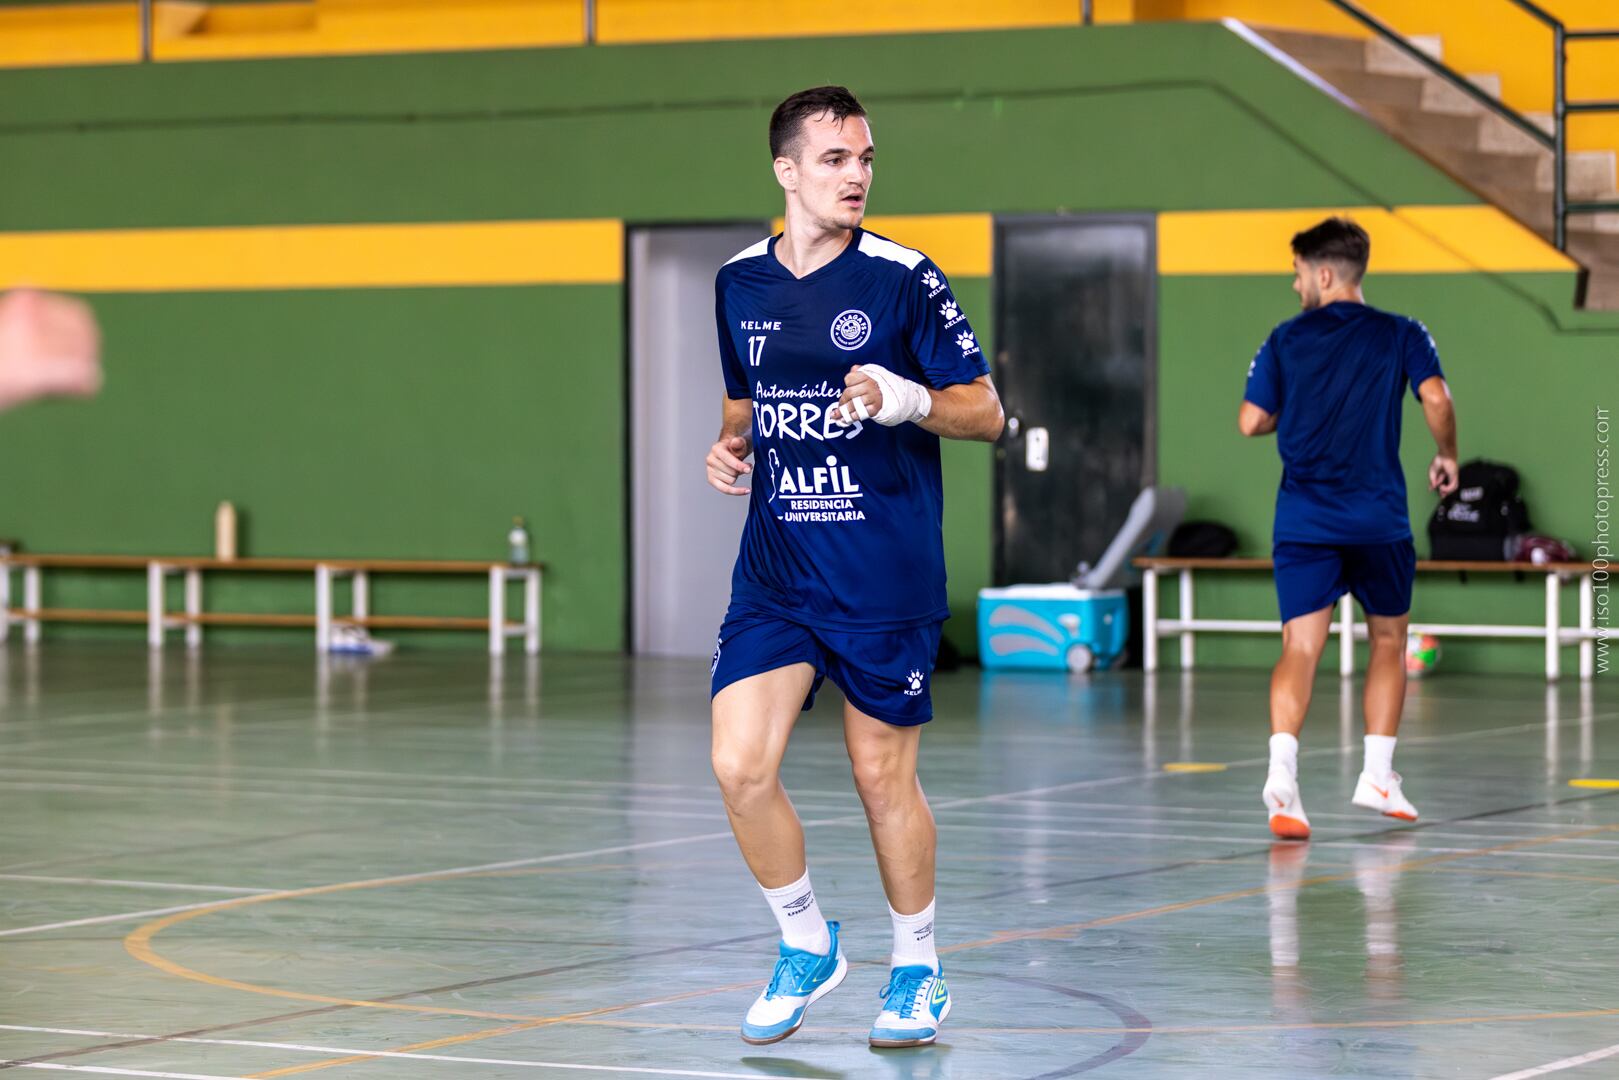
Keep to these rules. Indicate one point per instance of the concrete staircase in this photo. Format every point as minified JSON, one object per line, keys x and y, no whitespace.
{"x":1470,"y":142}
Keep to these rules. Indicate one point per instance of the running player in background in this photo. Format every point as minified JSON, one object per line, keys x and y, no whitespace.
{"x":846,"y":358}
{"x":1330,"y":383}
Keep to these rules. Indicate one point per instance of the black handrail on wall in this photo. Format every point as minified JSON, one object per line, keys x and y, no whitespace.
{"x":1557,"y":141}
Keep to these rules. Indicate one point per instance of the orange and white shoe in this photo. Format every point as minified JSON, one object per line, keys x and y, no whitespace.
{"x":1287,"y":818}
{"x":1384,"y":796}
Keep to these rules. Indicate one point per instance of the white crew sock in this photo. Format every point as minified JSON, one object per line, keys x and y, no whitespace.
{"x":1380,"y":756}
{"x":799,"y":916}
{"x":913,"y":938}
{"x":1284,"y":753}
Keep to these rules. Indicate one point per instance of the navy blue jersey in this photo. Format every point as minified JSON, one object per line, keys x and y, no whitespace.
{"x":844,"y":525}
{"x":1335,"y":377}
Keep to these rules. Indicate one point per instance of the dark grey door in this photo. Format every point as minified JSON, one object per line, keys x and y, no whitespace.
{"x":1075,"y":318}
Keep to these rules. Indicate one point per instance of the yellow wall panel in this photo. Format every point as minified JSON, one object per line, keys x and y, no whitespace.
{"x":317,"y":256}
{"x":620,"y":21}
{"x":1405,"y":240}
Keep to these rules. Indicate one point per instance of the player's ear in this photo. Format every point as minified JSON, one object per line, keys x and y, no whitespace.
{"x":787,"y":173}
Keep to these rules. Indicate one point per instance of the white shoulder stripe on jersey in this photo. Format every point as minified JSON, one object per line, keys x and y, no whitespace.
{"x":877,"y":247}
{"x":751,"y":251}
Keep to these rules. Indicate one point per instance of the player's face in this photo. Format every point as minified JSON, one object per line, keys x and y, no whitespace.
{"x":1307,"y":283}
{"x":831,"y":176}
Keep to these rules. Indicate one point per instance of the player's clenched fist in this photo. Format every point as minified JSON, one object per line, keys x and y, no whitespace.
{"x":49,"y":345}
{"x":725,"y":464}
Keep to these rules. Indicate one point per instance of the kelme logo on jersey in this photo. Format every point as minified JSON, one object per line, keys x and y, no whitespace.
{"x":968,"y":343}
{"x":952,"y":314}
{"x":851,"y":329}
{"x":932,"y":282}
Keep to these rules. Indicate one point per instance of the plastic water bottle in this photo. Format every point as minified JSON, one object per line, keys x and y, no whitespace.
{"x":517,"y":543}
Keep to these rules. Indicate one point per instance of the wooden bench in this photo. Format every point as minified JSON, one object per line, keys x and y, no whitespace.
{"x":1187,"y":626}
{"x":32,"y":615}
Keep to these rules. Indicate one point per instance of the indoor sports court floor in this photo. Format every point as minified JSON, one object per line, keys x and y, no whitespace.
{"x":245,"y":864}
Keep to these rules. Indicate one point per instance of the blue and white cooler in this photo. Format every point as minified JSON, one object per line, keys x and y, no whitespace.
{"x":1056,"y":627}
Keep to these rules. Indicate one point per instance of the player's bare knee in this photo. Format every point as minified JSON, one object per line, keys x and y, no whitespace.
{"x":882,"y":781}
{"x":743,"y":778}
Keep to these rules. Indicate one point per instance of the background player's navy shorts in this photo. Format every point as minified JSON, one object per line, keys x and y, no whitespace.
{"x":883,"y":673}
{"x":1310,"y":577}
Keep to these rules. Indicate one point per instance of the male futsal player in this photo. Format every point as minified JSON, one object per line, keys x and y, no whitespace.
{"x":846,"y":358}
{"x":1330,"y":382}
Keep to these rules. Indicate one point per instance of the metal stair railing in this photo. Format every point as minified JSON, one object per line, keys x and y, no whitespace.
{"x":1562,"y":108}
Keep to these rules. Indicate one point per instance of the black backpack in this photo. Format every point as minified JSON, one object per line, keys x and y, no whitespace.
{"x":1478,"y":520}
{"x":1202,"y":539}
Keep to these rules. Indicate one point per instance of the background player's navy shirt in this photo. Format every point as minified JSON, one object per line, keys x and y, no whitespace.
{"x":844,"y":525}
{"x":1335,"y":377}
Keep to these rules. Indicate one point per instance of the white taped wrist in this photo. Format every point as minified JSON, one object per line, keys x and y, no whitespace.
{"x":904,"y":401}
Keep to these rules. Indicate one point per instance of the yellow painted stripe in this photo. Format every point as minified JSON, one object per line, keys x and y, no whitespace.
{"x":1601,"y":785}
{"x":317,"y":256}
{"x":1193,"y":766}
{"x":961,"y":244}
{"x":1405,"y":240}
{"x":621,"y":21}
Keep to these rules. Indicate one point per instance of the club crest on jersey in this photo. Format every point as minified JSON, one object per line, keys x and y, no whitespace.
{"x":851,"y":329}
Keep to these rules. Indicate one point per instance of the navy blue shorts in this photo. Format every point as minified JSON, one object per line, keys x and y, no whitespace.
{"x":1310,"y":577}
{"x":883,"y":673}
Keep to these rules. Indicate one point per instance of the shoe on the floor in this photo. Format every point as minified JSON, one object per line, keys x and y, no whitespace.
{"x":1384,"y":796}
{"x":1287,"y":818}
{"x":800,"y":980}
{"x":915,"y":1002}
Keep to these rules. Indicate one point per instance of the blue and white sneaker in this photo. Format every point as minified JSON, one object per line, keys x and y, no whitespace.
{"x":916,"y":1001}
{"x":800,"y":980}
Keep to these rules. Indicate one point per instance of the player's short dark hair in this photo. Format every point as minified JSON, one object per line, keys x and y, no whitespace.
{"x":787,"y":122}
{"x":1336,"y":240}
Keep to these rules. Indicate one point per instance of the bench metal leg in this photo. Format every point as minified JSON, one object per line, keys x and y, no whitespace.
{"x":1149,"y":620}
{"x":31,"y":592}
{"x":1188,"y":639}
{"x":5,"y":601}
{"x":361,"y":605}
{"x":154,"y":605}
{"x":497,"y":611}
{"x":1553,"y":614}
{"x":1346,"y":636}
{"x":1587,"y":624}
{"x":323,"y":609}
{"x":193,"y":608}
{"x":531,"y":612}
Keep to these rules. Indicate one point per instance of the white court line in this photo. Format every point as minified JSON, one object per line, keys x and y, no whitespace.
{"x":99,"y":919}
{"x":108,"y":1071}
{"x":1559,"y":1066}
{"x":494,"y":785}
{"x":520,"y":1062}
{"x":213,"y":791}
{"x":376,"y":774}
{"x":121,"y":884}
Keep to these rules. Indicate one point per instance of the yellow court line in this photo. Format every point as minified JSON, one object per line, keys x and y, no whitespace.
{"x":1193,"y":766}
{"x":1405,"y":240}
{"x":317,"y":256}
{"x":1603,"y":785}
{"x":138,"y":943}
